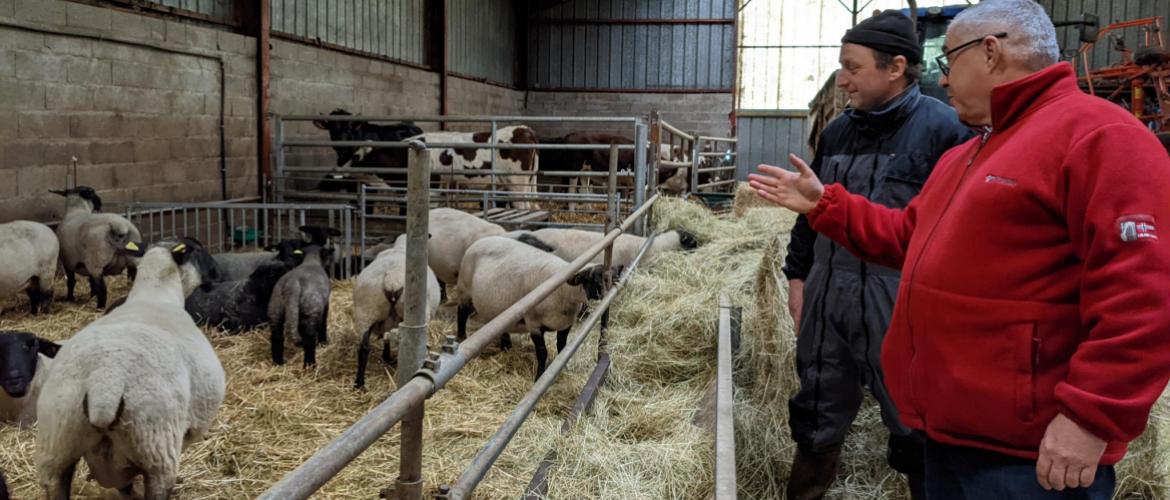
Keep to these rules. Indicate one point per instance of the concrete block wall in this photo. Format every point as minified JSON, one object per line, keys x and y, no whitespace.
{"x":143,"y":123}
{"x":705,"y":113}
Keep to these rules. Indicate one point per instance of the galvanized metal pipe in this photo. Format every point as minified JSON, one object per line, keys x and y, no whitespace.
{"x":724,"y":409}
{"x":412,"y":338}
{"x":695,"y":166}
{"x":328,"y":461}
{"x":640,"y":139}
{"x":278,"y":181}
{"x":677,"y":131}
{"x":463,"y":118}
{"x":447,"y":145}
{"x":491,"y":451}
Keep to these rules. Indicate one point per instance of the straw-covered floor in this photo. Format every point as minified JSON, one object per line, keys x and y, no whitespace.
{"x":639,"y":440}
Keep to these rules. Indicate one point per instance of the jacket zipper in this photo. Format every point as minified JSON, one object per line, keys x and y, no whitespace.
{"x":914,"y":269}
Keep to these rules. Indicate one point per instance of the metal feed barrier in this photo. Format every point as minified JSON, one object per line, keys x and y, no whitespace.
{"x":420,"y":374}
{"x":693,"y":149}
{"x":487,"y":199}
{"x":232,"y":225}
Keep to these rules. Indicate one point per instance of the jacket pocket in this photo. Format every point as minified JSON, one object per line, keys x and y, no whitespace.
{"x":903,"y":178}
{"x":1027,"y":358}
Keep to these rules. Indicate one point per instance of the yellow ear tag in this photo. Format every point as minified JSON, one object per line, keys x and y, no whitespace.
{"x":298,"y":252}
{"x":179,"y":248}
{"x":131,"y":246}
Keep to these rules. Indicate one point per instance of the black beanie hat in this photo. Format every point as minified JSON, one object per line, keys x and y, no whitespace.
{"x":889,"y":32}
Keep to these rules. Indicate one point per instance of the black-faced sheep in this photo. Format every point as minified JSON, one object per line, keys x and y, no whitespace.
{"x":24,"y":365}
{"x":235,"y":306}
{"x":498,"y":271}
{"x":299,"y":308}
{"x":378,"y":305}
{"x":133,"y":389}
{"x":30,"y":251}
{"x":93,"y":244}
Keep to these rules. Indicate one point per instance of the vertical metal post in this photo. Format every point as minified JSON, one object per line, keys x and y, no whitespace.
{"x":495,"y":154}
{"x":640,"y":137}
{"x":656,"y":156}
{"x":611,"y":222}
{"x":696,"y":147}
{"x":412,"y":338}
{"x":278,"y":179}
{"x":362,"y":215}
{"x":725,"y":401}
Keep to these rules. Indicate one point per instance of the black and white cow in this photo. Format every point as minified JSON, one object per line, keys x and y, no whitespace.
{"x":351,"y":157}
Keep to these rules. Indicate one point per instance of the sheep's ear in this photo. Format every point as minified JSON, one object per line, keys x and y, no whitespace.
{"x":47,"y":347}
{"x":320,"y":124}
{"x":134,"y":248}
{"x":60,"y":192}
{"x":578,"y":278}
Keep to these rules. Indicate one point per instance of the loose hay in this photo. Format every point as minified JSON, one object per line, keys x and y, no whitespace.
{"x":746,"y":199}
{"x":638,"y":442}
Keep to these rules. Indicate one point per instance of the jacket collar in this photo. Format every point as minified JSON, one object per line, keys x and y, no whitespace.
{"x":1015,"y":99}
{"x":889,"y":116}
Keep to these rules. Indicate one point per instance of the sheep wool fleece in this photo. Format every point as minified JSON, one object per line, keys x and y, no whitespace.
{"x":1036,"y":278}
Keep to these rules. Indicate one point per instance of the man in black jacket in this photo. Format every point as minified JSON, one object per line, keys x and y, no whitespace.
{"x":884,"y":145}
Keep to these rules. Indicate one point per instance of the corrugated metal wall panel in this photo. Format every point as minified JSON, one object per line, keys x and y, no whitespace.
{"x":223,"y":10}
{"x":769,"y":139}
{"x":483,"y":40}
{"x":565,"y":53}
{"x":1110,"y":11}
{"x":388,"y":28}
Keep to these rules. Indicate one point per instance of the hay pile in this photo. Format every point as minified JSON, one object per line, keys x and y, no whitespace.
{"x":747,"y":199}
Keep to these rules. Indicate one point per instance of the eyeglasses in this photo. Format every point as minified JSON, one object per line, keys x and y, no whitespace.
{"x":945,"y":67}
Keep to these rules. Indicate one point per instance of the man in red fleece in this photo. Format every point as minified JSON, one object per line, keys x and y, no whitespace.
{"x":1031,"y":332}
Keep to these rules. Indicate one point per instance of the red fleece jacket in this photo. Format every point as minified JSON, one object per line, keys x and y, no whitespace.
{"x":1035,"y":277}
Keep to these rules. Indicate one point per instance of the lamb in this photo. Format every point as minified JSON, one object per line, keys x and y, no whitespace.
{"x":239,"y":265}
{"x":133,"y":389}
{"x":498,"y":271}
{"x":24,"y":365}
{"x":30,"y":251}
{"x":299,"y":307}
{"x":572,"y":243}
{"x":235,"y":306}
{"x":93,"y":244}
{"x":377,"y":304}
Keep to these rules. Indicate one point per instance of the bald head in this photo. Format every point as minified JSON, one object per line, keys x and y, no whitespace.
{"x":1031,"y":41}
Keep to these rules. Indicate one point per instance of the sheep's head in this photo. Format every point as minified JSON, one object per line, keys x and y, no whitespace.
{"x":288,"y":252}
{"x":592,"y":279}
{"x":687,"y":239}
{"x":197,"y":267}
{"x":81,"y":194}
{"x":318,"y":235}
{"x":18,"y":360}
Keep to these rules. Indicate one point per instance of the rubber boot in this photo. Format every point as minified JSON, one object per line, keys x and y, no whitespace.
{"x":812,"y":473}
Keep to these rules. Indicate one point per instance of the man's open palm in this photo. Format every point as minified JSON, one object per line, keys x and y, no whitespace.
{"x":797,"y":191}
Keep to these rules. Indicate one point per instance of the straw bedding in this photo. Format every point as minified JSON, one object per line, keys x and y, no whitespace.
{"x":638,"y":441}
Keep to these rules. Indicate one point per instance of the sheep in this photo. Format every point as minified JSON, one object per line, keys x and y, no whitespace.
{"x":3,"y":488}
{"x":93,"y":244}
{"x":572,"y":243}
{"x":377,"y":304}
{"x":235,"y":306}
{"x":130,"y":391}
{"x":498,"y":271}
{"x":239,"y":265}
{"x":452,"y":233}
{"x":24,"y":364}
{"x":201,"y":258}
{"x":299,"y":307}
{"x":30,"y":251}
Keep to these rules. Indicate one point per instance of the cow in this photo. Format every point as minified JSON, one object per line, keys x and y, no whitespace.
{"x":525,"y":162}
{"x":598,"y":161}
{"x":351,"y":157}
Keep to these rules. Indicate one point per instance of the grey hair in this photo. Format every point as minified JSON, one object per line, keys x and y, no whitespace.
{"x":1027,"y":25}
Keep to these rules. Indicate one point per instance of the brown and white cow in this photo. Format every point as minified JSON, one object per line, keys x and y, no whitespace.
{"x":598,"y":161}
{"x":523,"y":162}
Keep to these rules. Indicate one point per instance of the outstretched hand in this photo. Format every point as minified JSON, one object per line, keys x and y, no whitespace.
{"x":797,"y":191}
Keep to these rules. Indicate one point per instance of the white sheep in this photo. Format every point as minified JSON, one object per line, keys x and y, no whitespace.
{"x":133,"y":389}
{"x":569,"y":244}
{"x":93,"y":244}
{"x":498,"y":271}
{"x":30,"y":251}
{"x":377,"y":301}
{"x":25,"y":360}
{"x":452,"y":233}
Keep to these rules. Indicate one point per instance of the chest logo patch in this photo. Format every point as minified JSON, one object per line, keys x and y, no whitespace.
{"x":1137,"y":228}
{"x":995,"y":179}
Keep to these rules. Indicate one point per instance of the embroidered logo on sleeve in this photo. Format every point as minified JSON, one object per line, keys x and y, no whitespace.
{"x":1137,"y":227}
